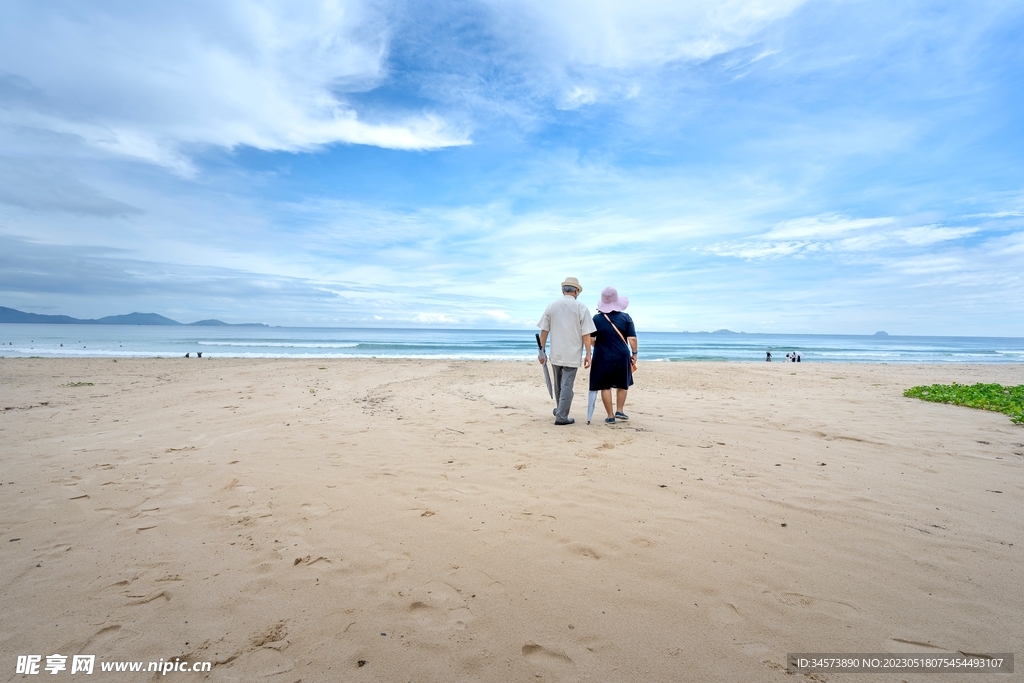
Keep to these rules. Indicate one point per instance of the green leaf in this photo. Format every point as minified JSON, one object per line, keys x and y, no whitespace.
{"x":1007,"y":400}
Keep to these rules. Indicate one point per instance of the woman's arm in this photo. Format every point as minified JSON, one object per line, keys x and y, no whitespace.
{"x":630,"y":333}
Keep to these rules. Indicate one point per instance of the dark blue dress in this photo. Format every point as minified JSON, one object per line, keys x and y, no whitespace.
{"x":610,"y":365}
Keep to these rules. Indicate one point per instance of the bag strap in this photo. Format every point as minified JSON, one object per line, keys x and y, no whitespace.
{"x":628,"y":347}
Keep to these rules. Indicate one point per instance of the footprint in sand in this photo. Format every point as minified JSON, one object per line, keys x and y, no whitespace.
{"x":474,"y":584}
{"x":395,"y":565}
{"x":441,"y":607}
{"x":428,"y":616}
{"x":262,"y":656}
{"x":272,"y":634}
{"x":146,"y":599}
{"x":833,"y":608}
{"x":726,"y":615}
{"x":584,"y":550}
{"x":97,"y":642}
{"x":547,"y":657}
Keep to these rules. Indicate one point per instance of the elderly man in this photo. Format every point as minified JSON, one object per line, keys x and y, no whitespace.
{"x":569,"y":324}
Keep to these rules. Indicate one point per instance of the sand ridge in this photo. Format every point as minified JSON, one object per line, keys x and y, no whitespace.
{"x":405,"y":520}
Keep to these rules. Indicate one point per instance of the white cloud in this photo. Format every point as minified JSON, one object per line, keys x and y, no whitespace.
{"x":1004,"y":204}
{"x":578,"y":97}
{"x":823,"y":227}
{"x":998,"y":214}
{"x":755,"y":250}
{"x":828,"y":232}
{"x":435,"y":318}
{"x":928,"y":265}
{"x":930,"y":234}
{"x":619,"y":35}
{"x":498,"y":315}
{"x":573,"y":53}
{"x":835,"y":233}
{"x":1007,"y":245}
{"x":147,"y":81}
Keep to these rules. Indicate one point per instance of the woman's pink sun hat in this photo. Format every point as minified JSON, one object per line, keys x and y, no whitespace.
{"x":611,"y":301}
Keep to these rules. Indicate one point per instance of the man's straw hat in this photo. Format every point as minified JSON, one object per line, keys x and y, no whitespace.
{"x":572,"y":282}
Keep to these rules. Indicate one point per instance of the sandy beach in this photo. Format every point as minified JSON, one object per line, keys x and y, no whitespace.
{"x":372,"y":520}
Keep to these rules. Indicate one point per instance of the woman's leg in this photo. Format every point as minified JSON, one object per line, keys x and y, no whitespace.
{"x":620,"y":399}
{"x":606,"y":399}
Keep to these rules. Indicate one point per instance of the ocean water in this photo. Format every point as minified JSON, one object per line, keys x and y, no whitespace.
{"x":145,"y":341}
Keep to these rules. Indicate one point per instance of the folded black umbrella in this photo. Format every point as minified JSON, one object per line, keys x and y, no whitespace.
{"x":547,"y":375}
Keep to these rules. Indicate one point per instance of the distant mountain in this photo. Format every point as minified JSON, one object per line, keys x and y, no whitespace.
{"x":132,"y":319}
{"x":880,"y":333}
{"x":11,"y":315}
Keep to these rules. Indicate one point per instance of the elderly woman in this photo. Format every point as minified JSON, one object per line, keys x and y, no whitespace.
{"x":614,"y":353}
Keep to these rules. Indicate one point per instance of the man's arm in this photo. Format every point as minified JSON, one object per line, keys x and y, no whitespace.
{"x":542,"y":357}
{"x":588,"y":327}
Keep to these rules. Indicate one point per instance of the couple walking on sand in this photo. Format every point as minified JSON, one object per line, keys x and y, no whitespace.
{"x":609,"y":339}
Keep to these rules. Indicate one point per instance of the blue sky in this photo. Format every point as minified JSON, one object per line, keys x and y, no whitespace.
{"x":757,"y":165}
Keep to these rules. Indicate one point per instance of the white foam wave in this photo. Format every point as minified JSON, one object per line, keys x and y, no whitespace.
{"x":282,"y":345}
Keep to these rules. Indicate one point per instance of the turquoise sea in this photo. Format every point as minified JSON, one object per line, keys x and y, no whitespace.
{"x":145,"y":341}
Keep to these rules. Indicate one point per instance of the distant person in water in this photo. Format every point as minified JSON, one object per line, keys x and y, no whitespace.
{"x":768,"y":357}
{"x":187,"y":355}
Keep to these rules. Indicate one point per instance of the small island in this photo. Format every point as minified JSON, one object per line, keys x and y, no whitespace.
{"x":11,"y":315}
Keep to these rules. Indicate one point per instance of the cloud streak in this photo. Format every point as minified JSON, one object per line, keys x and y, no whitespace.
{"x":150,"y":83}
{"x":838,"y":234}
{"x":648,"y":33}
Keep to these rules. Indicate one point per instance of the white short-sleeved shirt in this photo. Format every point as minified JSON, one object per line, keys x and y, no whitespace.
{"x":566,"y":321}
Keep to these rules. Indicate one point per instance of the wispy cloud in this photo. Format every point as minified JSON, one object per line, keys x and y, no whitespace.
{"x":149,"y":82}
{"x":646,"y":33}
{"x":824,"y":227}
{"x":835,"y":233}
{"x":46,"y":186}
{"x":931,"y":234}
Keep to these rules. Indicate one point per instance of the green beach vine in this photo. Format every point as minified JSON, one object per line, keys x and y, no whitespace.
{"x":1008,"y":400}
